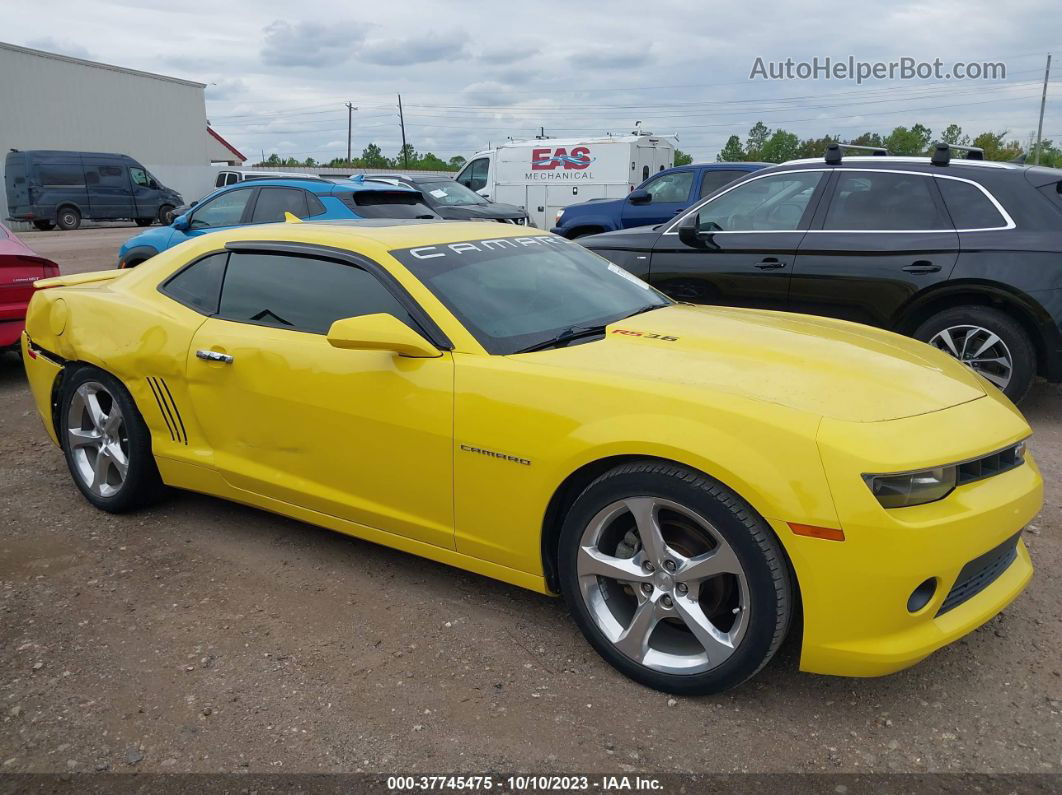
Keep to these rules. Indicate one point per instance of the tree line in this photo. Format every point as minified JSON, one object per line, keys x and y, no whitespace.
{"x":372,"y":156}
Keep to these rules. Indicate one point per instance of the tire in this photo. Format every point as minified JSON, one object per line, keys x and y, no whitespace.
{"x":44,"y":226}
{"x":88,"y":429}
{"x":68,"y":218}
{"x":165,"y":215}
{"x":640,"y":620}
{"x":145,"y":221}
{"x":1009,"y":362}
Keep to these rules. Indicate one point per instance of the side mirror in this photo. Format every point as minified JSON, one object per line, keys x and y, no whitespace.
{"x":639,"y":196}
{"x":688,"y":232}
{"x":194,"y":203}
{"x":380,"y":333}
{"x":181,"y":223}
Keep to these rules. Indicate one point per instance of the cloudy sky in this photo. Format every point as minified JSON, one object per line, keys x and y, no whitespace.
{"x":473,"y":72}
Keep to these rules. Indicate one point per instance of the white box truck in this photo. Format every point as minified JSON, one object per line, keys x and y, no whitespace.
{"x":545,"y":175}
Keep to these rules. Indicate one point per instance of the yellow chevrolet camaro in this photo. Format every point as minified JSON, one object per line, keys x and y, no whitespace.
{"x":689,"y":478}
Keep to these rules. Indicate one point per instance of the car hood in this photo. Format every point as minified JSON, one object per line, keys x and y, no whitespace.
{"x":827,"y":367}
{"x":479,"y":212}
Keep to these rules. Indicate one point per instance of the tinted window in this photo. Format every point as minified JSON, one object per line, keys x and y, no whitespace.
{"x":302,"y":293}
{"x":878,"y":200}
{"x":713,"y":180}
{"x":140,"y":177}
{"x":968,"y":206}
{"x":387,"y":204}
{"x":232,"y":179}
{"x":199,"y":285}
{"x":450,"y":193}
{"x":220,"y":181}
{"x":272,"y":203}
{"x":673,"y":187}
{"x":475,"y":176}
{"x":224,"y":210}
{"x":774,"y":203}
{"x":61,"y":176}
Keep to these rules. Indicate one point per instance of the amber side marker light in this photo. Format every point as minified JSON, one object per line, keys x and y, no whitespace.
{"x":811,"y":531}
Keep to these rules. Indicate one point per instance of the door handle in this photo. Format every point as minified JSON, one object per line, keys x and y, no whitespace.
{"x":214,"y":356}
{"x":921,"y":266}
{"x":769,"y":264}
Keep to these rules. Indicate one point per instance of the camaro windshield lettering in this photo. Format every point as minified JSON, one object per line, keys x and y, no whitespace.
{"x":495,"y":244}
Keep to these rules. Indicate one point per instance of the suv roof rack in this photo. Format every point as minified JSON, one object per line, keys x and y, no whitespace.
{"x":941,"y":155}
{"x":835,"y":150}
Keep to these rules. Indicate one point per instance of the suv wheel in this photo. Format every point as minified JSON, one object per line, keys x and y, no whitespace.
{"x":674,"y":579}
{"x":166,"y":214}
{"x":68,"y":218}
{"x":989,"y":342}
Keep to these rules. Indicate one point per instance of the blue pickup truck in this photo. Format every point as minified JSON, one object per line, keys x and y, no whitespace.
{"x":655,"y":201}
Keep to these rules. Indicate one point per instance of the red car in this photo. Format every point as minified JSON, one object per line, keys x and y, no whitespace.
{"x":20,"y":267}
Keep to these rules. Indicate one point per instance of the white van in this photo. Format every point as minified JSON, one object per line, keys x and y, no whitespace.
{"x":545,"y":175}
{"x":230,"y":176}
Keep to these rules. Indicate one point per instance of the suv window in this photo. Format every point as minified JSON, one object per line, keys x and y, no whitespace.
{"x":61,"y":176}
{"x":272,"y":203}
{"x":224,"y":210}
{"x":774,"y":203}
{"x":387,"y":204}
{"x":715,"y":178}
{"x":673,"y":187}
{"x":475,"y":176}
{"x":302,"y":293}
{"x":968,"y":205}
{"x":199,"y":285}
{"x":880,"y":200}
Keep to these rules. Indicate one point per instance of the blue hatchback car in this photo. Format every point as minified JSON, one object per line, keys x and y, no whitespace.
{"x":655,"y":201}
{"x":264,"y":201}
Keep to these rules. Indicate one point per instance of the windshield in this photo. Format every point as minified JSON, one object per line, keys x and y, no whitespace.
{"x":449,"y":193}
{"x":517,"y":292}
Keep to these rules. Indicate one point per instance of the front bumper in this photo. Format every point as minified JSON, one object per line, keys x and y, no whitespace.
{"x":855,"y":593}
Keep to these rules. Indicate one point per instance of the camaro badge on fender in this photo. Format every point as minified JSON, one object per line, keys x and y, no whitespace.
{"x":503,"y":456}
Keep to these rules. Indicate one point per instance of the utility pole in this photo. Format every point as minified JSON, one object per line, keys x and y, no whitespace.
{"x":402,"y":124}
{"x":1043,"y":104}
{"x":350,"y":110}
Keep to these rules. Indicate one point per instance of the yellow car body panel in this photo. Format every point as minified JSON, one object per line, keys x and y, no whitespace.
{"x":458,"y":457}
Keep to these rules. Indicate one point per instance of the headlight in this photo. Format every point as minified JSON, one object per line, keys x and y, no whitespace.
{"x":559,"y":215}
{"x":913,"y":488}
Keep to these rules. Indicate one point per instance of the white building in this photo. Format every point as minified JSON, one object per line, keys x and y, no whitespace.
{"x":50,"y":101}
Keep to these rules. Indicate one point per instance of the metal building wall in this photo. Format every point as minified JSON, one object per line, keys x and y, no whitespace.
{"x":55,"y":102}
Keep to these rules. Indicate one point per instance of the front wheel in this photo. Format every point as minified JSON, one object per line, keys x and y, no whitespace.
{"x":989,"y":342}
{"x":166,"y":214}
{"x":68,"y":218}
{"x":106,"y":443}
{"x":674,"y":579}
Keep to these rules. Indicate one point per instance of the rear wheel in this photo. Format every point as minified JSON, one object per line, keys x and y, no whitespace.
{"x":674,"y":579}
{"x":68,"y":218}
{"x":44,"y":226}
{"x":145,"y":221}
{"x":106,"y":443}
{"x":166,"y":214}
{"x":989,"y":342}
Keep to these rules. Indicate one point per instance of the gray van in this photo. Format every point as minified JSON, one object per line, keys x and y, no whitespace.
{"x":51,"y":187}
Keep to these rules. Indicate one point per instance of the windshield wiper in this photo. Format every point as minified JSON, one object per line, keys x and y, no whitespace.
{"x":569,"y":334}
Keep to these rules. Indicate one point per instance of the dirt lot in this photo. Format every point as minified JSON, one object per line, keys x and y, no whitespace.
{"x":205,"y":636}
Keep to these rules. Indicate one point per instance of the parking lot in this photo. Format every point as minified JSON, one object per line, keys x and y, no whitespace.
{"x":205,"y":636}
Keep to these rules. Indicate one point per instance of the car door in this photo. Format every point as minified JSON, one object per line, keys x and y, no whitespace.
{"x":366,"y":436}
{"x":668,"y":195}
{"x":271,"y":204}
{"x":747,"y":241}
{"x":109,"y":191}
{"x":146,"y":194}
{"x":224,"y":210}
{"x":881,"y":237}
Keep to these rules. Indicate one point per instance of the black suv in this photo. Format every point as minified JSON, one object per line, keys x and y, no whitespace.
{"x":964,"y":254}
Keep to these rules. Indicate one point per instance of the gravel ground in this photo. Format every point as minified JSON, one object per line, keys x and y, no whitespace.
{"x":203,"y":636}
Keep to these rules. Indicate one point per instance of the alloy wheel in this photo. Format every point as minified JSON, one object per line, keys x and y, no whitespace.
{"x":979,"y":349}
{"x":97,"y":439}
{"x":662,"y":584}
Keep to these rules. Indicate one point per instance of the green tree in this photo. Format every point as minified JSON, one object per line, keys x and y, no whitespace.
{"x":406,"y":157}
{"x":1050,"y":155}
{"x":430,"y":162}
{"x":953,"y":135}
{"x":815,"y":147}
{"x":272,"y":160}
{"x":456,"y":162}
{"x":682,"y":159}
{"x":758,"y":135}
{"x":781,"y":146}
{"x":997,"y":148}
{"x":373,"y":157}
{"x":914,"y":141}
{"x":731,"y":152}
{"x":868,"y":139}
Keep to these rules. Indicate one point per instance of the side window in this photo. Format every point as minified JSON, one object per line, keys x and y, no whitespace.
{"x":199,"y":285}
{"x":774,"y":203}
{"x":61,"y":176}
{"x":302,"y":293}
{"x":673,"y":187}
{"x":968,"y":206}
{"x":713,"y":179}
{"x":475,"y":175}
{"x":879,"y":200}
{"x":272,"y":203}
{"x":232,"y":179}
{"x":140,"y":177}
{"x":224,"y":210}
{"x":313,"y":205}
{"x":220,"y":181}
{"x":645,"y":173}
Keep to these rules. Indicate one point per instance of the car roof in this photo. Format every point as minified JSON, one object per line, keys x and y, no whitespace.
{"x":315,"y":185}
{"x":885,"y":161}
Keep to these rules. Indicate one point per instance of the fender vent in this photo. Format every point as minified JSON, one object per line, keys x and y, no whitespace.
{"x":168,"y":409}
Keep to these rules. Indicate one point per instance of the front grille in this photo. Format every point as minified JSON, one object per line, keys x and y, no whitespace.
{"x":981,"y":572}
{"x":992,"y":464}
